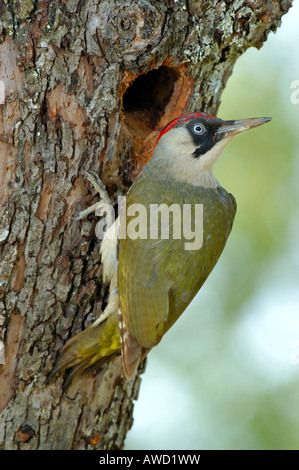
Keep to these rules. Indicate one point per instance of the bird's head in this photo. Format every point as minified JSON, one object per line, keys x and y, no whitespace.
{"x":188,"y":146}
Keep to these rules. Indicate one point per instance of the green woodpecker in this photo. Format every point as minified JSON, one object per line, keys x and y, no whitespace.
{"x":152,"y":277}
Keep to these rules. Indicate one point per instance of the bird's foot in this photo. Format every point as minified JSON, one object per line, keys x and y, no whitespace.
{"x":99,"y":186}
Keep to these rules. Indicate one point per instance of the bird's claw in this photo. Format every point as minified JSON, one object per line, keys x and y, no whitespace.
{"x":99,"y":186}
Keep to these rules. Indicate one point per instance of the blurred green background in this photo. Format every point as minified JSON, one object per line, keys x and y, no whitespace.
{"x":226,"y":376}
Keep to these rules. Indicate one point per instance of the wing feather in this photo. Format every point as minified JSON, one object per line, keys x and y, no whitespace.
{"x":157,"y":279}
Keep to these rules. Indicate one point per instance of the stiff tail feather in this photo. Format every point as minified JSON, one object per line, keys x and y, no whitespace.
{"x":131,"y":351}
{"x":89,"y":349}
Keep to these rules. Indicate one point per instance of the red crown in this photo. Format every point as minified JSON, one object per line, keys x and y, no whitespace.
{"x":182,"y":119}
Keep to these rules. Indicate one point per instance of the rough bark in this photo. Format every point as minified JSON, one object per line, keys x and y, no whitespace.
{"x":88,"y":85}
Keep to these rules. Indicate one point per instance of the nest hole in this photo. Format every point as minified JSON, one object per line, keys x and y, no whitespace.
{"x":149,"y":94}
{"x":149,"y":102}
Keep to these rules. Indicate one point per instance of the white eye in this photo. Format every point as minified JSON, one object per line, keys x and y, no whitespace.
{"x":199,"y":129}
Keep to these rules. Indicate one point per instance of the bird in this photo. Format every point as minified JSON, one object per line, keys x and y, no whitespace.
{"x":154,"y":274}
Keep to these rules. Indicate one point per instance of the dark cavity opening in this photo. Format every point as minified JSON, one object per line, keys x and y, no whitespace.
{"x":149,"y":102}
{"x":150,"y":93}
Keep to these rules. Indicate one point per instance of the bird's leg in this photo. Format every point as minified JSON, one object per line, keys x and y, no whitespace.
{"x":109,"y":242}
{"x":100,"y":206}
{"x":112,"y":305}
{"x":98,"y":185}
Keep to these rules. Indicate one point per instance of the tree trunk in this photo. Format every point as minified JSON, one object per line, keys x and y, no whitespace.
{"x":88,"y":84}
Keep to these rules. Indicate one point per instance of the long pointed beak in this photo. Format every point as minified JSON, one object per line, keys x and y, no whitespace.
{"x":233,"y":128}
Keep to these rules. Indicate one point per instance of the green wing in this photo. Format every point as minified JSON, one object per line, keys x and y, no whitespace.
{"x":143,"y":292}
{"x":157,"y":279}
